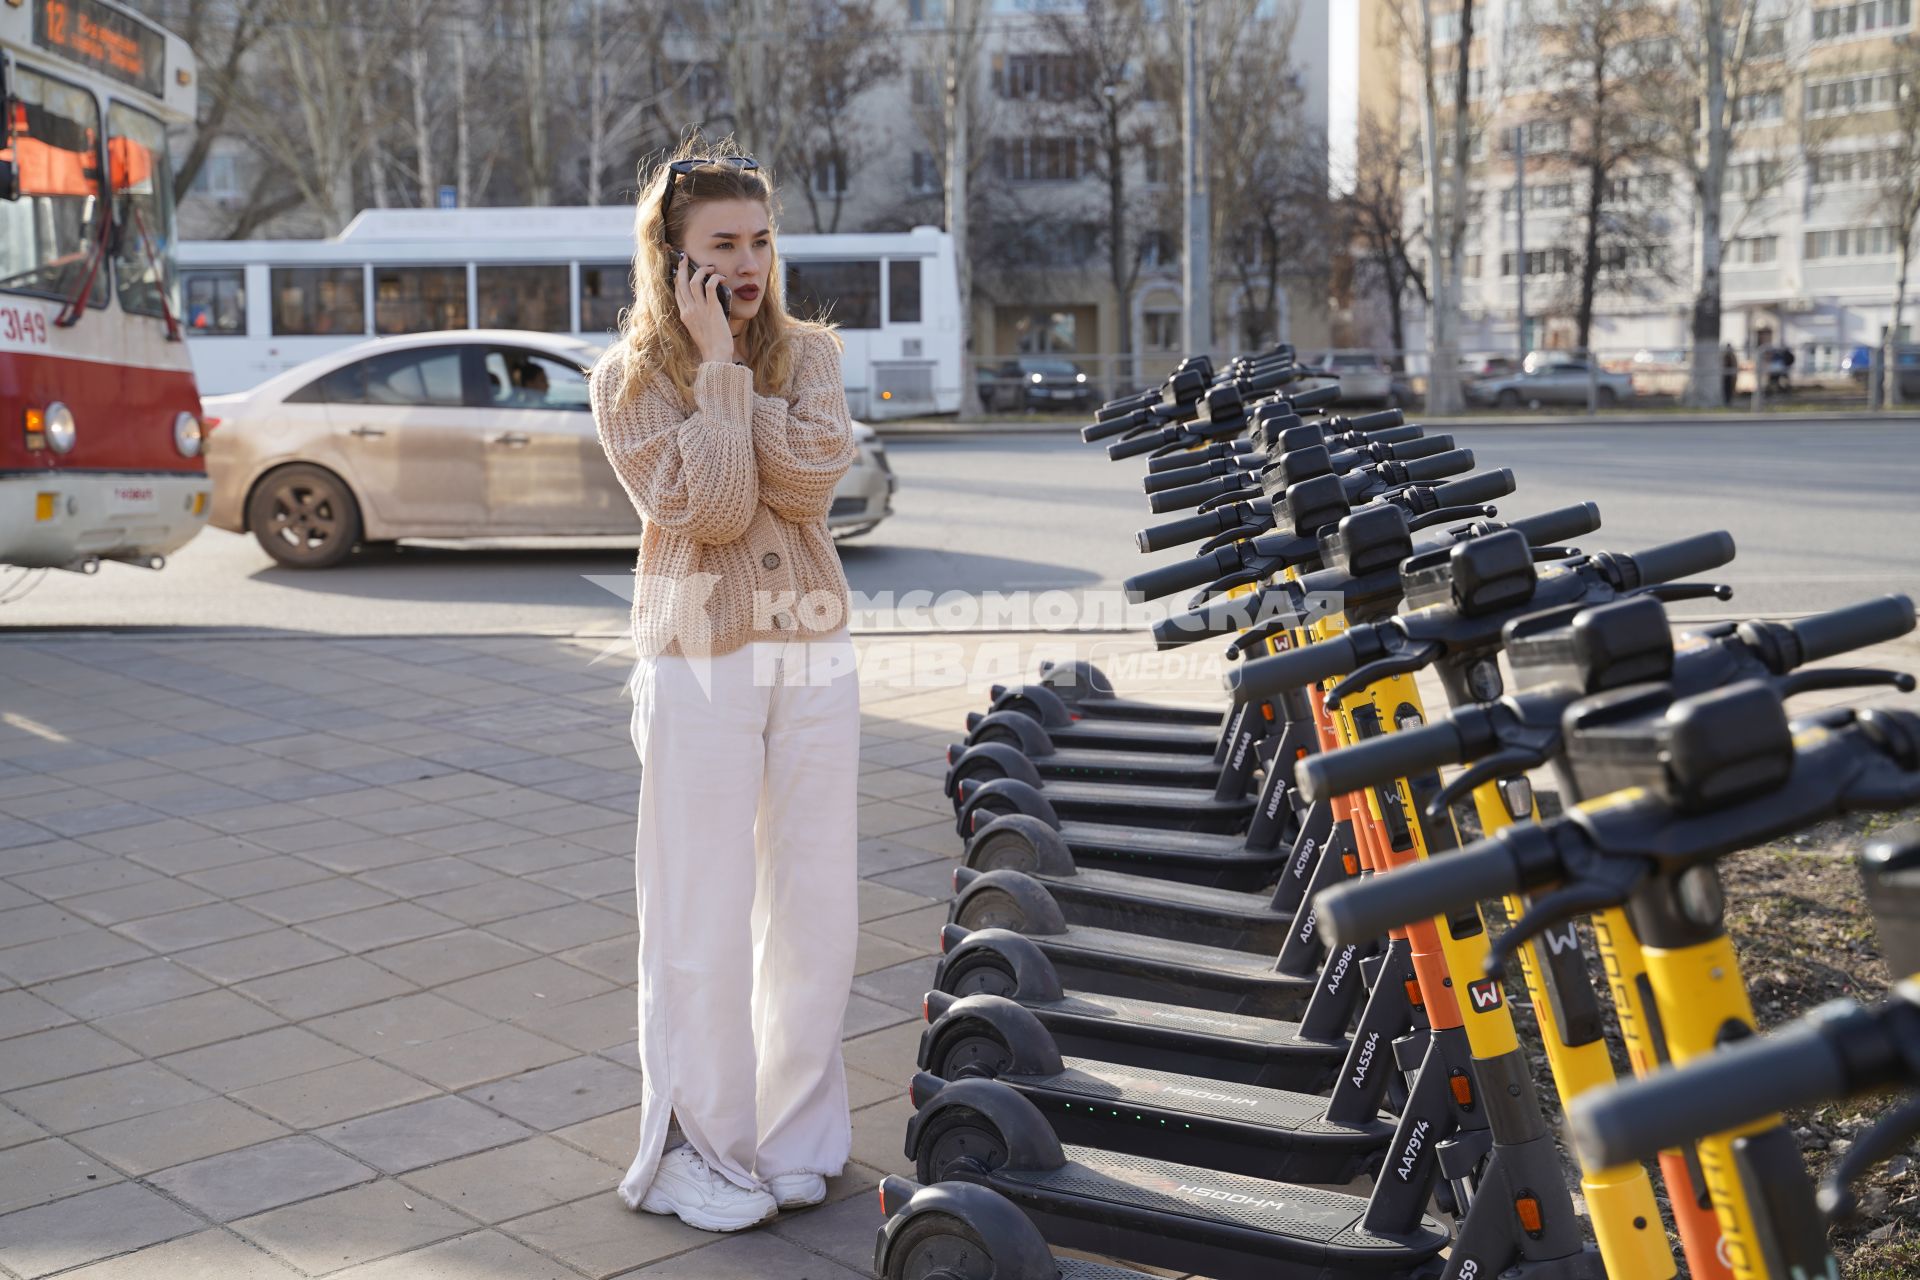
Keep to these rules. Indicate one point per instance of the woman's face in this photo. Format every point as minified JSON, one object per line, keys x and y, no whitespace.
{"x":733,"y":238}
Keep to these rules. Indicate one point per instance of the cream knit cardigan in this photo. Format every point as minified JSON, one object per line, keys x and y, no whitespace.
{"x":735,"y":498}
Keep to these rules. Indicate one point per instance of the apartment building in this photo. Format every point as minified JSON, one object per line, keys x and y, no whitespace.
{"x":1805,"y":260}
{"x":1041,"y":278}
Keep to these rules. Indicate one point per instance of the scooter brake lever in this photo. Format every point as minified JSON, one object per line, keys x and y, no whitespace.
{"x":1229,"y":498}
{"x":1238,"y":578}
{"x":1673,"y":592}
{"x":1608,"y":883}
{"x":1238,"y":533}
{"x":1403,"y":663}
{"x":1441,"y":515}
{"x":1501,"y":764}
{"x":1844,"y":678}
{"x":1891,"y":1134}
{"x":1253,"y":636}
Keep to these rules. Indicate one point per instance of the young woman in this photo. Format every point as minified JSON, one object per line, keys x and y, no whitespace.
{"x":729,"y":430}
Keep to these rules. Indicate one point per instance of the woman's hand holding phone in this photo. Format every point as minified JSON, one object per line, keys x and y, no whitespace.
{"x":698,"y":290}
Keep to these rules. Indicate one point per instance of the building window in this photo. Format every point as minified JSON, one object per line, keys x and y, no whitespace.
{"x":523,"y":298}
{"x":1472,"y":267}
{"x":1040,"y":159}
{"x":1849,"y":166}
{"x":829,"y":175}
{"x":922,"y":82}
{"x":925,"y":178}
{"x":605,"y":288}
{"x":1855,"y":93}
{"x":1638,"y":188}
{"x":903,"y":291}
{"x":219,"y":177}
{"x":1159,"y":163}
{"x":1754,"y":177}
{"x":1540,"y":262}
{"x":1157,"y":249}
{"x":1750,"y":251}
{"x":1757,"y":106}
{"x":1548,"y":195}
{"x":1547,"y":137}
{"x":1863,"y":17}
{"x":847,"y":293}
{"x":1041,"y":331}
{"x":926,"y":10}
{"x":1038,"y":77}
{"x":314,"y":300}
{"x":216,"y":300}
{"x":1851,"y":242}
{"x":1161,"y":330}
{"x":419,"y":299}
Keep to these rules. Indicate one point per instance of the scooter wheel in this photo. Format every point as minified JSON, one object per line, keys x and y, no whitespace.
{"x":958,"y":1141}
{"x":979,"y":972}
{"x":980,"y":769}
{"x":970,"y":1051}
{"x":937,"y":1246}
{"x":1025,"y":706}
{"x":993,"y":909}
{"x":1005,"y":849}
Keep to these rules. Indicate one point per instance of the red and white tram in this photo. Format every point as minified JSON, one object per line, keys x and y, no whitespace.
{"x":100,"y":426}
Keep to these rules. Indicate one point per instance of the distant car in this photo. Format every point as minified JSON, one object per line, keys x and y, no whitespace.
{"x":1858,"y":365}
{"x":467,"y":433}
{"x":1474,"y":368}
{"x":1661,"y":359}
{"x":1035,"y":384}
{"x":1363,"y":377}
{"x":1548,"y":378}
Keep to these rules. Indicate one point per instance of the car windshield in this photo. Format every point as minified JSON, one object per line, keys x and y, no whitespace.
{"x":1357,"y":361}
{"x":1056,"y":367}
{"x":49,"y":236}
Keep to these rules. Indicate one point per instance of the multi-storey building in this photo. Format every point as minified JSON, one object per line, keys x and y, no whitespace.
{"x":1806,"y":261}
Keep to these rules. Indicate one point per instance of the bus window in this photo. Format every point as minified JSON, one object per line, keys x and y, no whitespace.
{"x":48,"y":237}
{"x":310,"y":300}
{"x":605,"y":288}
{"x":847,"y":293}
{"x":143,"y":209}
{"x":903,"y":291}
{"x":419,"y":299}
{"x":523,"y":298}
{"x":216,"y":300}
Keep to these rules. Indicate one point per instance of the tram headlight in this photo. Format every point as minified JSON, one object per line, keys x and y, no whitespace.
{"x":186,"y":434}
{"x":59,"y":428}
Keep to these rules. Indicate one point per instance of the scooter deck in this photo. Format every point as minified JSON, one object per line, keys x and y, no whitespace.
{"x":1141,"y":709}
{"x":1197,"y":857}
{"x":1145,"y":768}
{"x":1131,"y":964}
{"x":1158,"y":1211}
{"x":1214,"y":1045}
{"x":1137,"y":735}
{"x":1081,"y":1269}
{"x":1238,"y":907}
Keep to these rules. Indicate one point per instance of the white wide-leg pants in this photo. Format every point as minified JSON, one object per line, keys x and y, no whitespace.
{"x":745,"y":871}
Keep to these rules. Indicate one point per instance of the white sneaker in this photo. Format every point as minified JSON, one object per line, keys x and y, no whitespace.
{"x":688,"y":1188}
{"x":797,"y":1190}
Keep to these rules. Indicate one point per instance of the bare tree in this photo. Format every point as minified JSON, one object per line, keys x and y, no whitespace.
{"x":963,"y":35}
{"x":1896,"y":196}
{"x":842,"y":50}
{"x":1373,"y":215}
{"x":222,"y":34}
{"x":533,"y":24}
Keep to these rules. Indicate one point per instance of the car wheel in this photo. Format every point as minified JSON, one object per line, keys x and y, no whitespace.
{"x":1508,"y":399}
{"x":304,"y":516}
{"x":1604,"y":398}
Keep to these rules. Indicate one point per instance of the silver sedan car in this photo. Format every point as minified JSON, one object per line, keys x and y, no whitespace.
{"x":1547,"y":378}
{"x":469,"y":433}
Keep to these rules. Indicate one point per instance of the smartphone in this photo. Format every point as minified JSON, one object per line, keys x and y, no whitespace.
{"x":725,"y":294}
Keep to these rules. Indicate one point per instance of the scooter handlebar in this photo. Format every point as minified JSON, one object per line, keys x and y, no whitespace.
{"x":1362,"y":910}
{"x":1377,"y":761}
{"x":1181,"y":576}
{"x":1292,"y":669}
{"x":1316,"y":397}
{"x":1736,"y":1085}
{"x":1474,"y":490}
{"x":1177,"y":533}
{"x":1672,"y":561}
{"x":1439,"y":466}
{"x":1188,"y":496}
{"x":1561,"y":525}
{"x":1826,"y":635}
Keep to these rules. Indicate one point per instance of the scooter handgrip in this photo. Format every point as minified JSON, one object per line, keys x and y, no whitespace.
{"x":1560,"y":525}
{"x":1735,"y":1085}
{"x":1181,"y":576}
{"x":1378,"y":761}
{"x":1419,"y":447}
{"x":1212,"y":468}
{"x":1224,"y":616}
{"x":1440,"y":466}
{"x":1177,"y":533}
{"x":1475,"y":489}
{"x":1362,"y":910}
{"x":1826,"y":635}
{"x":1181,"y":461}
{"x":1145,"y":442}
{"x":1316,"y":397}
{"x":1189,"y":496}
{"x":1672,"y":561}
{"x":1376,"y":421}
{"x":1394,"y":435}
{"x":1292,"y":669}
{"x":1113,"y":426}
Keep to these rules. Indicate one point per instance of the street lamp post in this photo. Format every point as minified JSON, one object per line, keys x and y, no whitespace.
{"x":1520,"y":234}
{"x":1197,"y":280}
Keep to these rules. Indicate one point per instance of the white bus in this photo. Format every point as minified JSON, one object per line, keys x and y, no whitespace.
{"x":254,"y":308}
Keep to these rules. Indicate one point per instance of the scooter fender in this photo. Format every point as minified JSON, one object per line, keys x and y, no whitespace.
{"x":1000,"y":796}
{"x":1016,"y":1245}
{"x":992,"y":760}
{"x":1029,"y":1043}
{"x":1051,"y":856}
{"x":1036,"y":904}
{"x":1034,"y":975}
{"x":1035,"y":700}
{"x":1031,"y":1144}
{"x":1030,"y":738}
{"x":1077,"y":680}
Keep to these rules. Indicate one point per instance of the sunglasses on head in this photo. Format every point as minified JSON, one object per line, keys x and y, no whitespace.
{"x":678,"y":167}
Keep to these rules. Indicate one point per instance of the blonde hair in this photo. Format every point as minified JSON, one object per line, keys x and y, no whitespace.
{"x":653,"y":341}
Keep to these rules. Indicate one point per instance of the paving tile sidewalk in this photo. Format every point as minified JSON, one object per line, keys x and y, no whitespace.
{"x":317,"y":955}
